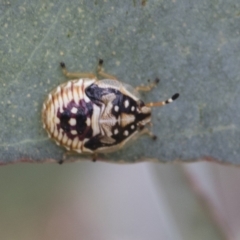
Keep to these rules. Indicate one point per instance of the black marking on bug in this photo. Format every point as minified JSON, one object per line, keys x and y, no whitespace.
{"x":96,"y":141}
{"x":84,"y":110}
{"x":64,"y":118}
{"x":120,"y":102}
{"x":95,"y":93}
{"x":119,"y":134}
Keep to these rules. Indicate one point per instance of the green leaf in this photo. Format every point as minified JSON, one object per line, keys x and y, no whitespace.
{"x":193,"y":46}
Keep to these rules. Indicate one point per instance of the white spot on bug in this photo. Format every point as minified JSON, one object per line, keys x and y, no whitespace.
{"x":170,"y":100}
{"x":132,"y":108}
{"x":73,"y":132}
{"x":132,"y":127}
{"x":74,"y":110}
{"x":72,"y":121}
{"x":125,"y":133}
{"x":126,"y":103}
{"x":115,"y":131}
{"x":116,"y":108}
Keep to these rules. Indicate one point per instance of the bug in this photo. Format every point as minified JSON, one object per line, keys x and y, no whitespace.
{"x":90,"y":116}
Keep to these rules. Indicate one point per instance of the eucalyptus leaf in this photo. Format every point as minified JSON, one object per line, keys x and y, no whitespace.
{"x":192,"y":46}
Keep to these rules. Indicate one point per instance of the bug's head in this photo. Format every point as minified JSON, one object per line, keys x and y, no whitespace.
{"x":144,"y":110}
{"x":143,"y":113}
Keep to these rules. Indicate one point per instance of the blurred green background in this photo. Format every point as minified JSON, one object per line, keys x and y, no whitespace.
{"x":89,"y":201}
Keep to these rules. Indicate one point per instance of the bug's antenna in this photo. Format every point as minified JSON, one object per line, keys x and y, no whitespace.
{"x":159,"y":104}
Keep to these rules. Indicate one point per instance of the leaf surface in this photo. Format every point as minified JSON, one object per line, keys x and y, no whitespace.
{"x":193,"y":46}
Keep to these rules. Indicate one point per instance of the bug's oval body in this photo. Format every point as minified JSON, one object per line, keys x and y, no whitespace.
{"x":91,"y":116}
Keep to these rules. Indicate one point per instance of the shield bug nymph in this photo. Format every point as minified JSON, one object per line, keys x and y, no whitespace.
{"x":88,"y":115}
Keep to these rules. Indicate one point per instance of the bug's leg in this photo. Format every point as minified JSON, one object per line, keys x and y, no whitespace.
{"x":64,"y":157}
{"x":73,"y":75}
{"x":146,"y":131}
{"x":60,"y":162}
{"x":151,"y":135}
{"x":148,"y":87}
{"x":163,"y":103}
{"x":94,"y":157}
{"x":101,"y":73}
